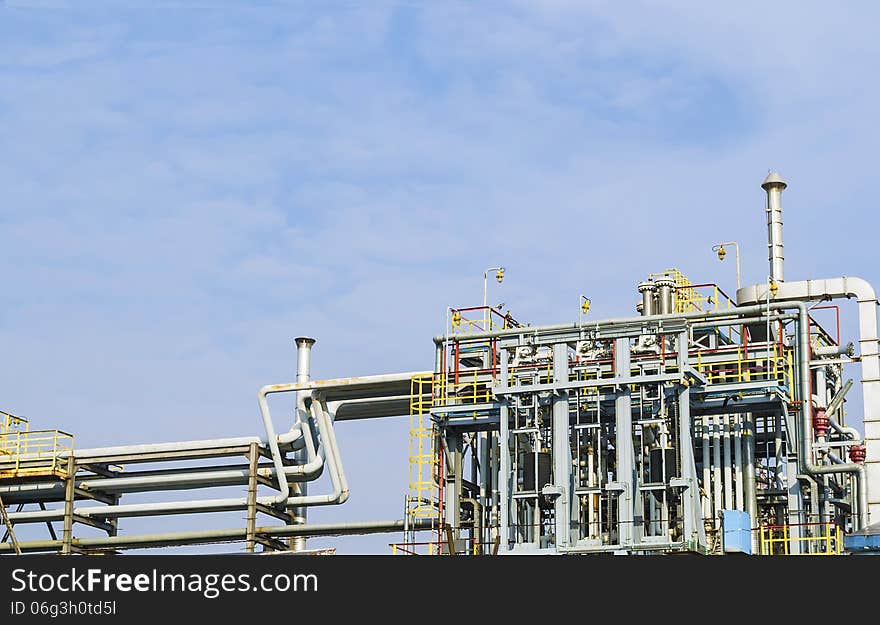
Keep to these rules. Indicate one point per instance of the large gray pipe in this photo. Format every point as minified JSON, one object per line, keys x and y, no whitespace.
{"x":303,"y":374}
{"x":774,"y":185}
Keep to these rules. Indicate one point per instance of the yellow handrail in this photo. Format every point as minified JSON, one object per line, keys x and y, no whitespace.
{"x":35,"y":452}
{"x":777,"y":540}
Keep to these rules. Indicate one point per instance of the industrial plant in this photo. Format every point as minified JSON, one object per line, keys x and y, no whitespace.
{"x":705,"y":423}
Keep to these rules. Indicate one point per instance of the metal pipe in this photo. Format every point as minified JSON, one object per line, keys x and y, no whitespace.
{"x":738,"y":461}
{"x":339,"y":494}
{"x":647,"y":290}
{"x":223,"y":535}
{"x":728,"y":469}
{"x":774,"y":185}
{"x":863,"y":292}
{"x":749,"y":490}
{"x":289,"y":439}
{"x":806,"y":439}
{"x":834,"y":350}
{"x":872,"y":407}
{"x":666,"y":295}
{"x":304,"y":346}
{"x":844,"y":430}
{"x":707,"y":470}
{"x":716,"y":470}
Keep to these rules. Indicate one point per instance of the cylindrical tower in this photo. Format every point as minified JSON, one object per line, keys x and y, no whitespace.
{"x":647,"y":289}
{"x":666,"y":295}
{"x":774,"y":185}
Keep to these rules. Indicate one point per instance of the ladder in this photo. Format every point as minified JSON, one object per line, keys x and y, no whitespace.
{"x":423,"y":497}
{"x":9,"y":528}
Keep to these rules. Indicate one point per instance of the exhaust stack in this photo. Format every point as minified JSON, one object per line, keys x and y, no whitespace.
{"x":774,"y":185}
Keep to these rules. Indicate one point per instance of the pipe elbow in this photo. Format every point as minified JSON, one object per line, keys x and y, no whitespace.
{"x":861,"y":289}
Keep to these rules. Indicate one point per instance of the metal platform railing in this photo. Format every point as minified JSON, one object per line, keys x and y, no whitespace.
{"x":34,"y":453}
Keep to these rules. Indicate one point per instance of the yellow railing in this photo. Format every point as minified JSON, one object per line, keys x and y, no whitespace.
{"x":34,"y":453}
{"x":826,"y":539}
{"x":469,"y":389}
{"x":779,"y":366}
{"x":422,"y":501}
{"x":11,"y":423}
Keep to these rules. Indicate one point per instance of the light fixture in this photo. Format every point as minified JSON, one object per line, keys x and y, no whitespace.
{"x":721,"y":252}
{"x":774,"y":288}
{"x":585,"y":305}
{"x":499,"y":275}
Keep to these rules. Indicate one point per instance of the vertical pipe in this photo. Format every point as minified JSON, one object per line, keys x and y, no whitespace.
{"x":591,"y":482}
{"x":728,"y":472}
{"x":504,"y":460}
{"x":561,"y":447}
{"x":694,"y":529}
{"x":647,"y":289}
{"x":738,"y":460}
{"x":623,"y":445}
{"x":750,"y":494}
{"x":303,"y":374}
{"x":716,"y":471}
{"x":707,"y":469}
{"x":485,"y":498}
{"x":666,"y":295}
{"x":774,"y":185}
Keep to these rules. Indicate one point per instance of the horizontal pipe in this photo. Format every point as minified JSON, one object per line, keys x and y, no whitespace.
{"x":733,"y":313}
{"x":222,"y":535}
{"x":83,"y":455}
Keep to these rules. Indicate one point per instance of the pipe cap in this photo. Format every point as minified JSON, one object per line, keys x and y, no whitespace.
{"x":773,"y":179}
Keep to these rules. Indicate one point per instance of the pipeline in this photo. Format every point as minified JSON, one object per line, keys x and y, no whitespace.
{"x":221,"y":535}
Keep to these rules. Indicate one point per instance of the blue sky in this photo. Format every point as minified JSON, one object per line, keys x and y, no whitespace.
{"x":186,"y":186}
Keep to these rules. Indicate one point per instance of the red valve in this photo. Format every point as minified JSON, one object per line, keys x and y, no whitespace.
{"x":821,"y":422}
{"x":857,"y":453}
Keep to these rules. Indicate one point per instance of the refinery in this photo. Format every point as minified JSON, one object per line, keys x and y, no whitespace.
{"x":706,"y":423}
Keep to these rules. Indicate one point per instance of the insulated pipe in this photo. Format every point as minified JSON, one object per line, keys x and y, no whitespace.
{"x":716,"y":471}
{"x":805,"y":462}
{"x":303,"y":374}
{"x":337,"y":476}
{"x":202,"y":478}
{"x":737,"y":461}
{"x":728,"y":470}
{"x":861,"y":290}
{"x":774,"y":185}
{"x":834,"y":350}
{"x":707,"y":470}
{"x":843,"y":430}
{"x":749,"y":490}
{"x":288,"y":439}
